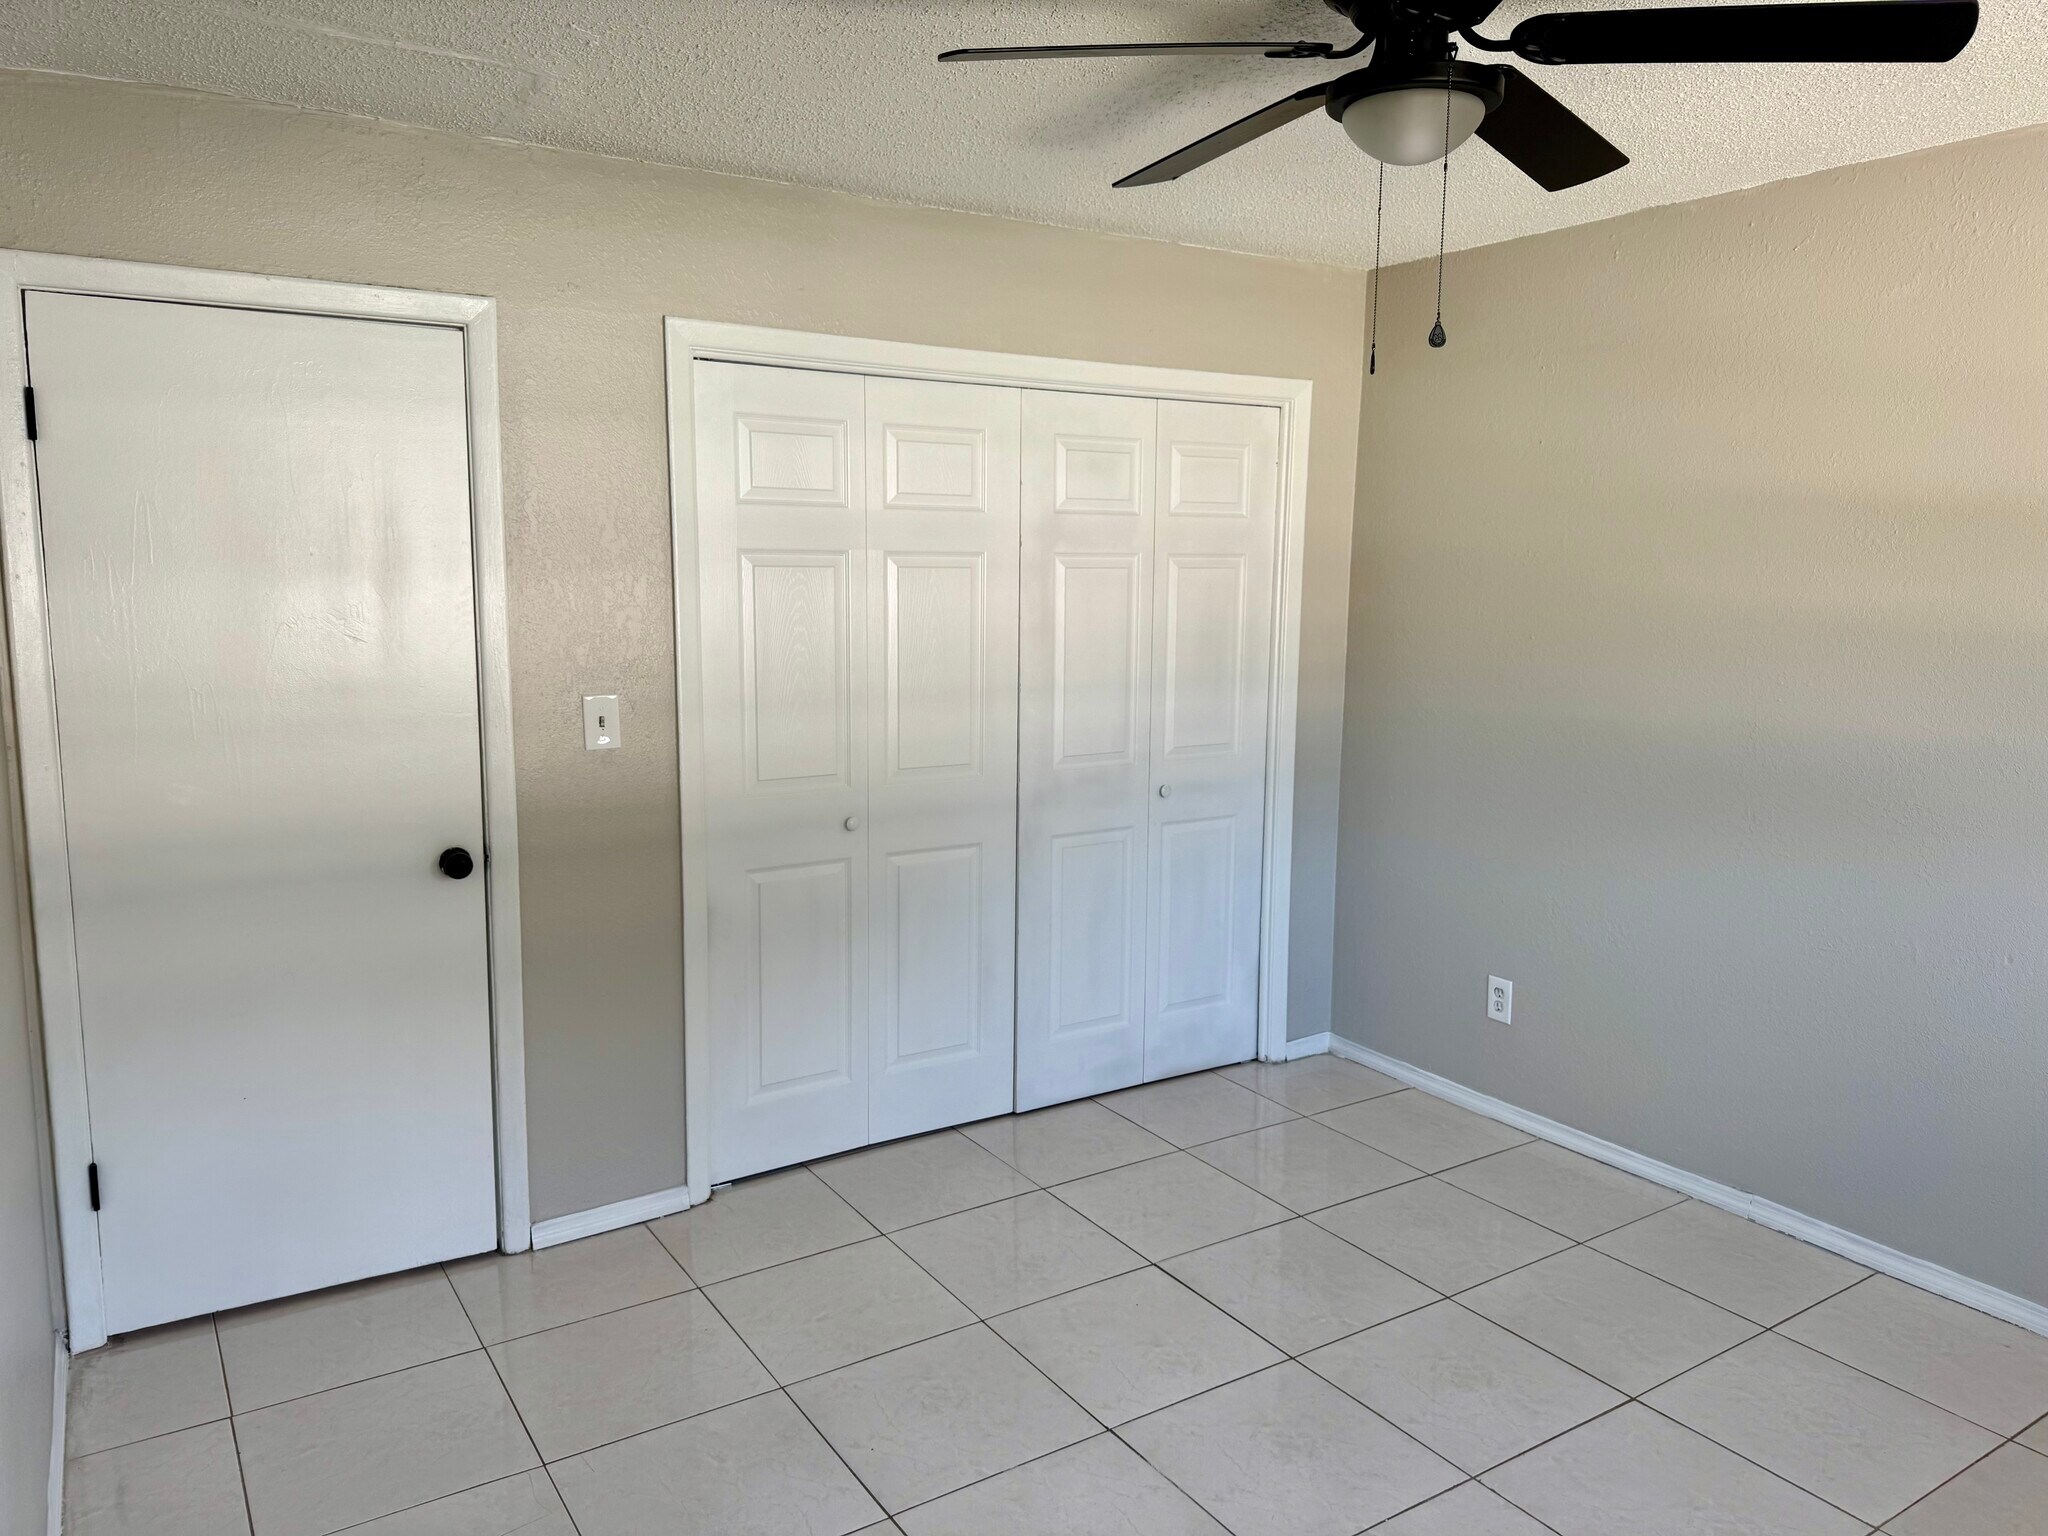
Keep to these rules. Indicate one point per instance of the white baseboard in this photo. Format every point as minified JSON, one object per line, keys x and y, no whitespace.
{"x":1307,"y":1045}
{"x":2031,"y":1315}
{"x":609,"y":1218}
{"x":58,"y":1403}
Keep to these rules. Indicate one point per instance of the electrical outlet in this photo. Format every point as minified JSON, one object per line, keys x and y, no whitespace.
{"x":1500,"y":1000}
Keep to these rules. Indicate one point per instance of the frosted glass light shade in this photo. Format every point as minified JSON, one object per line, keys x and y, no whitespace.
{"x":1406,"y":127}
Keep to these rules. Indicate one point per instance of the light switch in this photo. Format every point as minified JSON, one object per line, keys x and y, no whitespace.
{"x":600,"y":721}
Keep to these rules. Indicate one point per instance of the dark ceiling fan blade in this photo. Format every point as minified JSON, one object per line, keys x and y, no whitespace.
{"x":1294,"y":50}
{"x":1224,"y":140}
{"x":1545,"y":139}
{"x":1872,"y":31}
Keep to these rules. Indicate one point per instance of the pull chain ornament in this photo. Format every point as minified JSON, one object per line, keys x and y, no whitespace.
{"x":1437,"y":335}
{"x":1379,"y":218}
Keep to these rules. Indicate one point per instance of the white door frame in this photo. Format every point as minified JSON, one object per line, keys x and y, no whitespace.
{"x":690,"y":342}
{"x":37,"y":787}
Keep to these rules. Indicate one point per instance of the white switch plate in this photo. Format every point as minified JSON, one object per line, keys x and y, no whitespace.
{"x":600,"y":721}
{"x":1500,"y":1000}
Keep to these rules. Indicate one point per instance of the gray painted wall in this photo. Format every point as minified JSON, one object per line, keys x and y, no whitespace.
{"x":585,"y":255}
{"x":1699,"y":685}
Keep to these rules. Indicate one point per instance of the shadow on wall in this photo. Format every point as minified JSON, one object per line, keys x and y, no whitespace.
{"x":1699,"y":685}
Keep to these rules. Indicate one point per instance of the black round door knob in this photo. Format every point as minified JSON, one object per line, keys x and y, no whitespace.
{"x":456,"y":863}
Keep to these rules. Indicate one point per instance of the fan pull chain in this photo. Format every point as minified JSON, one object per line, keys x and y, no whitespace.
{"x":1437,"y":335}
{"x":1379,"y":218}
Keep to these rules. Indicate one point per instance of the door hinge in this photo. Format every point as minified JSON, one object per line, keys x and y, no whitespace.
{"x":92,"y":1183}
{"x":28,"y":406}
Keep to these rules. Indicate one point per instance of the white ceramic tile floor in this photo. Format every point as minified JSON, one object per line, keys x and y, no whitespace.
{"x":1103,"y":1318}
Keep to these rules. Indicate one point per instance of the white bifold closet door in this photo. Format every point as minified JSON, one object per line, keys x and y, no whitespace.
{"x":1149,"y":533}
{"x":858,"y":569}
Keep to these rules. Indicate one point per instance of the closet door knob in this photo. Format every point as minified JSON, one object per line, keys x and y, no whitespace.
{"x":853,"y":823}
{"x":1166,"y":791}
{"x":456,"y":863}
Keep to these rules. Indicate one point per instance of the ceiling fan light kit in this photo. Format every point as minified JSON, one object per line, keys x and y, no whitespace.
{"x":1403,"y":124}
{"x":1415,"y":101}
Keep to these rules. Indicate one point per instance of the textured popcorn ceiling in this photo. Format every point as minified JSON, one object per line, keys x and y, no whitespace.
{"x":844,"y":94}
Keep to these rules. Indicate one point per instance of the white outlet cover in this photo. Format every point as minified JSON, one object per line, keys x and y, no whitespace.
{"x":1500,"y":1000}
{"x":600,"y":721}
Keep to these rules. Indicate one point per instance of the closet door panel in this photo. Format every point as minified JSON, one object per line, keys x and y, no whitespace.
{"x":783,"y":556}
{"x":1217,"y":486}
{"x":941,"y":693}
{"x":1084,"y":838}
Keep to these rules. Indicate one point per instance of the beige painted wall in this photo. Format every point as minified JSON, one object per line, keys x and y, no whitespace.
{"x":28,"y":1320}
{"x":585,"y":255}
{"x":1699,"y":685}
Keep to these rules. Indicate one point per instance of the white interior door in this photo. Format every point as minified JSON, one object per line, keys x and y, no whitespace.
{"x":782,"y":541}
{"x":1213,"y":540}
{"x":1084,"y":837}
{"x":256,"y":540}
{"x":941,"y":698}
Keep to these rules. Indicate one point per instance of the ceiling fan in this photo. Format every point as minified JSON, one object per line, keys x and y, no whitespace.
{"x":1415,"y":100}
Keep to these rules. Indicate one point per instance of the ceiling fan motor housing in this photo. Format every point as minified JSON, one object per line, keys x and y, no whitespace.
{"x":1413,"y":50}
{"x":1380,"y":16}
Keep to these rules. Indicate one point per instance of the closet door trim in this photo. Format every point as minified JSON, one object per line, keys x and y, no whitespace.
{"x":689,"y":342}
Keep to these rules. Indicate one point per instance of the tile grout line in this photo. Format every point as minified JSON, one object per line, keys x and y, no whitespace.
{"x":1262,"y":1226}
{"x":838,"y":1456}
{"x":983,"y":1322}
{"x":631,"y":1306}
{"x":520,"y":1414}
{"x":979,"y":1205}
{"x":300,"y":1397}
{"x":1511,"y":1504}
{"x":161,"y":1434}
{"x":1287,"y":1357}
{"x":1435,"y":1295}
{"x":1629,"y":1398}
{"x":455,"y":1494}
{"x":1102,"y":1099}
{"x":1872,"y":1375}
{"x":783,"y":1390}
{"x":1447,"y":1295}
{"x":1956,"y":1476}
{"x":1638,"y":1397}
{"x":1781,"y":1477}
{"x":1274,"y":1366}
{"x":1767,"y":1327}
{"x":935,"y":1280}
{"x":975,"y":1317}
{"x":343,"y":1386}
{"x":1032,"y":1365}
{"x":540,"y":1461}
{"x":1588,"y":1242}
{"x":747,"y":1274}
{"x":1611,"y":1408}
{"x":1575,"y":1244}
{"x":1101,"y":1430}
{"x":234,"y":1435}
{"x":1190,"y":1150}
